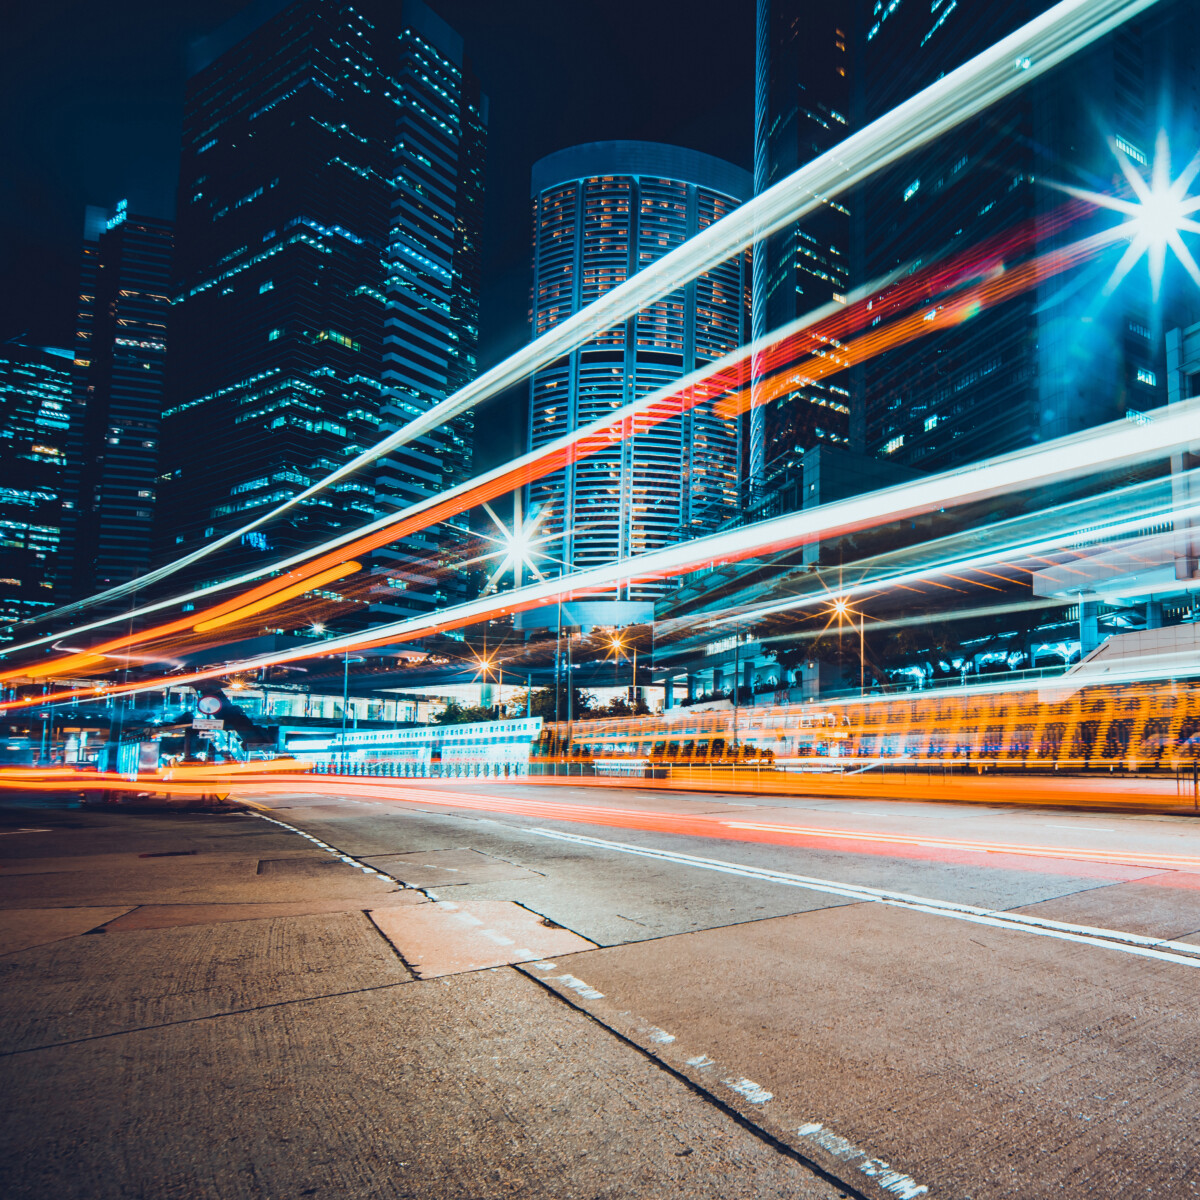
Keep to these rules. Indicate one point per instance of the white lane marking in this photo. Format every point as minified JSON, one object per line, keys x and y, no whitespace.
{"x":755,"y":1093}
{"x":545,"y":966}
{"x":1111,"y":939}
{"x":904,"y":1187}
{"x":661,"y":1036}
{"x":577,"y":985}
{"x":354,"y":862}
{"x":14,"y":832}
{"x":1092,"y":828}
{"x":700,"y":1062}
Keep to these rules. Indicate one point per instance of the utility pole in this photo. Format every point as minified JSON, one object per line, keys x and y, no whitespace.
{"x":557,"y":663}
{"x":345,"y":700}
{"x":737,"y":671}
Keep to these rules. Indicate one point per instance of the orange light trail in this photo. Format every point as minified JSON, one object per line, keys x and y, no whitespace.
{"x":288,"y":593}
{"x":981,"y":261}
{"x":1103,"y":862}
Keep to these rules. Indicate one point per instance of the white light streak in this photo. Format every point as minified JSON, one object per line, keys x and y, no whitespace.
{"x":1042,"y":43}
{"x":1105,"y":447}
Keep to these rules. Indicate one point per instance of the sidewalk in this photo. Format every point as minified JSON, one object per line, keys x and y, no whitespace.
{"x":205,"y":1006}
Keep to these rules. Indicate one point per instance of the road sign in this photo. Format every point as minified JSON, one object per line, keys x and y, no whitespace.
{"x":209,"y":723}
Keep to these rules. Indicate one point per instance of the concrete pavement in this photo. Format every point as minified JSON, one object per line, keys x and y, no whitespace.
{"x":683,"y":1016}
{"x":204,"y":1007}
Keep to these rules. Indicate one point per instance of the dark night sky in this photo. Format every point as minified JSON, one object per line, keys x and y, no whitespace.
{"x":91,"y":105}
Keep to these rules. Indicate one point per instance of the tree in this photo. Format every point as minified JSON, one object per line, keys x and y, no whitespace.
{"x":458,"y":714}
{"x":542,"y":704}
{"x":618,"y":706}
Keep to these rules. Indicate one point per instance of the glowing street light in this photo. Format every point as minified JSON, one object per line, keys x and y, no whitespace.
{"x":616,"y":649}
{"x":841,"y":611}
{"x":518,"y":547}
{"x":1159,"y":213}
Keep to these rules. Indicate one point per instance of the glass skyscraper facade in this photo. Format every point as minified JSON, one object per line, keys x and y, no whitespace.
{"x":35,"y":410}
{"x":326,"y":279}
{"x":602,"y":212}
{"x":1063,"y":355}
{"x":120,"y":350}
{"x":804,"y":102}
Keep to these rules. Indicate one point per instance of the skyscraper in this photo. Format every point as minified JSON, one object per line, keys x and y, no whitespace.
{"x":35,"y":406}
{"x":602,"y":212}
{"x":121,"y":343}
{"x":804,"y":99}
{"x":326,"y":275}
{"x":1074,"y":351}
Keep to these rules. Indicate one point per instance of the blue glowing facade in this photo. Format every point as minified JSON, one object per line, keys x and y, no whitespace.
{"x":120,"y":351}
{"x":602,"y":212}
{"x":1062,"y":356}
{"x":804,"y":102}
{"x":326,"y":283}
{"x":35,"y":411}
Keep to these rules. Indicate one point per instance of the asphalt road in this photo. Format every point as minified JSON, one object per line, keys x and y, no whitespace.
{"x":484,"y":990}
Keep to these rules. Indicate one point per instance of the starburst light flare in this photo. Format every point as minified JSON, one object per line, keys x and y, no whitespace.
{"x":1160,"y":212}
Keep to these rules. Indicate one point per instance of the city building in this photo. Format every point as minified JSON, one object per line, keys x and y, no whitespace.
{"x":602,"y":212}
{"x":35,"y":409}
{"x":1081,"y":346}
{"x":120,"y":350}
{"x":326,"y":280}
{"x":805,"y":93}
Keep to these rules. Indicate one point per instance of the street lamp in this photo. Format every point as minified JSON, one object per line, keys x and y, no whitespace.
{"x":844,"y":613}
{"x":347,"y":659}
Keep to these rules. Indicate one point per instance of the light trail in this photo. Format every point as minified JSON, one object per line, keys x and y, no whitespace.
{"x":816,"y":330}
{"x":1108,"y":446}
{"x":1152,"y":501}
{"x":724,"y":828}
{"x":1045,"y":544}
{"x":820,"y":327}
{"x":956,"y":310}
{"x":1004,"y":68}
{"x":288,"y":593}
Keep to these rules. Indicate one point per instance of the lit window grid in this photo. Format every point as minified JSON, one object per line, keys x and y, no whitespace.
{"x":665,"y":481}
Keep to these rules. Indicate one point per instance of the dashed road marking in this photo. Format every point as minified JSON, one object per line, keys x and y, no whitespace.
{"x":747,"y":1088}
{"x":902,"y":1186}
{"x":577,"y":985}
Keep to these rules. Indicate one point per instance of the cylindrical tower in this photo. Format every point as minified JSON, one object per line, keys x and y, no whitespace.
{"x":602,"y":212}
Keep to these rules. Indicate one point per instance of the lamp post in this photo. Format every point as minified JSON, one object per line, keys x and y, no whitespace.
{"x":345,"y":701}
{"x":346,"y":698}
{"x":843,"y":611}
{"x":737,"y":670}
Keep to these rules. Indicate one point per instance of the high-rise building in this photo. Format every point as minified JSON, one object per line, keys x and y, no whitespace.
{"x":121,"y":343}
{"x":326,"y":277}
{"x":35,"y":408}
{"x":1073,"y":351}
{"x":804,"y":99}
{"x":602,"y":212}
